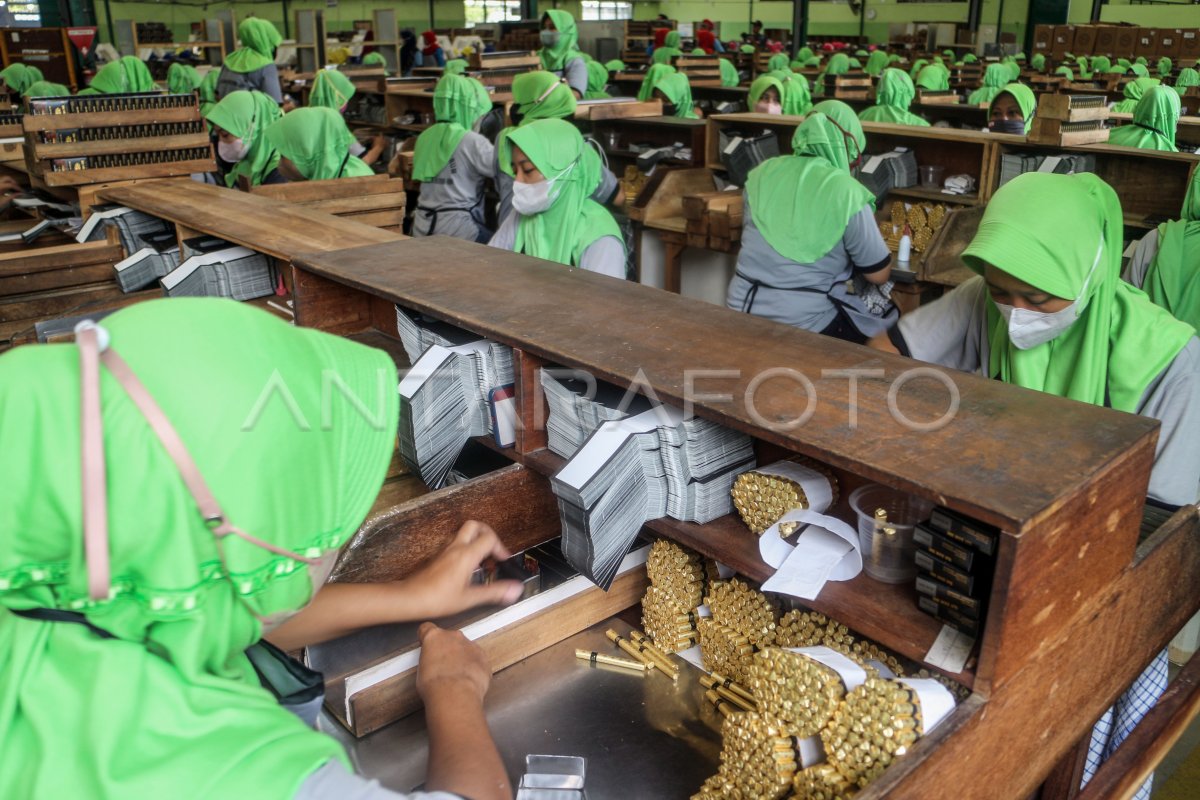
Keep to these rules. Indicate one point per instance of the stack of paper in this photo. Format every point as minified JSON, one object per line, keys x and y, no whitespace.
{"x":145,"y":267}
{"x":444,"y":401}
{"x":418,"y":333}
{"x":578,"y":405}
{"x":135,"y":228}
{"x":639,"y":468}
{"x":235,"y":272}
{"x":902,"y":165}
{"x":1012,"y":164}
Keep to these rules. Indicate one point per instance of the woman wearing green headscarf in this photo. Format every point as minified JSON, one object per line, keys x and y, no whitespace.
{"x":207,"y":92}
{"x":877,"y":62}
{"x":1039,"y":62}
{"x":240,"y":122}
{"x":970,"y":58}
{"x":452,"y":161}
{"x":18,"y":77}
{"x":675,"y":90}
{"x":330,"y":89}
{"x":778,"y":63}
{"x":168,"y":607}
{"x":597,"y":82}
{"x":1085,"y":74}
{"x":1140,"y":70}
{"x":1101,"y":64}
{"x":182,"y":78}
{"x":892,"y":99}
{"x":669,"y":50}
{"x":1012,"y":111}
{"x":1164,"y":262}
{"x":1014,"y":69}
{"x":797,"y":98}
{"x":1141,"y":60}
{"x":1124,"y":63}
{"x":314,"y":145}
{"x":560,"y":50}
{"x":1065,"y":72}
{"x":916,"y":68}
{"x":455,"y":66}
{"x":1154,"y":121}
{"x":127,"y":76}
{"x":1134,"y":91}
{"x":251,"y":67}
{"x":995,"y":77}
{"x":654,"y":74}
{"x":46,"y":89}
{"x":376,"y":60}
{"x":809,"y":228}
{"x":555,"y":218}
{"x":838,"y":64}
{"x":766,"y":95}
{"x":1188,"y":76}
{"x":729,"y":72}
{"x":1164,"y":67}
{"x":934,"y":78}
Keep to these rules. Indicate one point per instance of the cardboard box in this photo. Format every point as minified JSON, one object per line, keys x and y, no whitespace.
{"x":1169,"y":41}
{"x":1106,"y":41}
{"x":1189,"y":44}
{"x":1064,"y":40}
{"x":1043,"y":39}
{"x":1147,"y":43}
{"x":1126,"y":42}
{"x":1085,"y":40}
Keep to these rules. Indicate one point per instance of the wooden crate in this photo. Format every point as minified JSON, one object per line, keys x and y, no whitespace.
{"x":513,"y":59}
{"x":373,"y":200}
{"x":714,"y":219}
{"x":700,"y":70}
{"x":1072,"y":107}
{"x":931,"y":97}
{"x":852,"y":85}
{"x":1060,"y":133}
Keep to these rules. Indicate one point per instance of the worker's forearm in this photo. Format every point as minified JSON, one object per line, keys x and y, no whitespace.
{"x":462,"y":756}
{"x":342,"y":608}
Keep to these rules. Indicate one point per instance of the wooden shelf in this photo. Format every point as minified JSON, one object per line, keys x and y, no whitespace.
{"x":936,"y":196}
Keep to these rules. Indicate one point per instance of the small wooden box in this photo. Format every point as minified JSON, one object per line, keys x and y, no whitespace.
{"x":1067,"y":134}
{"x":1169,"y":42}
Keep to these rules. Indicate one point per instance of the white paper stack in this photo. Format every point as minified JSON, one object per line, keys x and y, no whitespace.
{"x":578,"y":405}
{"x":145,"y":267}
{"x":639,"y":468}
{"x":235,"y":272}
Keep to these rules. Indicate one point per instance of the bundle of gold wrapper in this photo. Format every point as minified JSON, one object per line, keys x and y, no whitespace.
{"x":821,"y":782}
{"x":745,"y":610}
{"x":678,"y":578}
{"x":761,"y":499}
{"x":670,"y":626}
{"x":793,"y":687}
{"x":809,"y":629}
{"x":959,"y":691}
{"x":921,"y":220}
{"x":877,"y":722}
{"x":758,"y":760}
{"x":724,"y":650}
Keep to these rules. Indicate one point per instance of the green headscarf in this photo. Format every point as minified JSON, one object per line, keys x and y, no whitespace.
{"x":1187,"y":77}
{"x":1141,"y":60}
{"x":1134,"y":91}
{"x":317,"y":141}
{"x":1164,"y":67}
{"x":207,"y":91}
{"x":1052,"y":232}
{"x":748,"y":49}
{"x":939,"y":61}
{"x":669,"y":50}
{"x":855,"y":64}
{"x":1026,"y":100}
{"x":777,"y":62}
{"x":1101,"y":64}
{"x":330,"y":89}
{"x":457,"y":104}
{"x":894,"y":59}
{"x":258,"y":39}
{"x":616,"y":65}
{"x":653,"y":75}
{"x":797,"y":99}
{"x":815,"y":61}
{"x":127,"y":76}
{"x":455,"y":66}
{"x":574,"y":221}
{"x":698,"y":51}
{"x":1084,"y":73}
{"x":1020,"y":56}
{"x":597,"y":80}
{"x":1115,"y":70}
{"x":1066,"y":72}
{"x":759,"y":87}
{"x":1140,"y":70}
{"x":19,"y":77}
{"x":247,"y":115}
{"x":1014,"y":69}
{"x":970,"y":58}
{"x":839,"y":64}
{"x":182,"y":78}
{"x":844,"y":117}
{"x":567,"y":47}
{"x":1124,"y":63}
{"x":862,"y":53}
{"x":934,"y":78}
{"x":916,"y":68}
{"x":948,"y":53}
{"x":375,"y":60}
{"x":804,"y":54}
{"x":892,"y":99}
{"x":1154,"y":122}
{"x":530,"y":96}
{"x":172,"y":703}
{"x":1172,"y":280}
{"x":994,"y":79}
{"x":1038,"y":62}
{"x":801,"y":203}
{"x":678,"y":91}
{"x":729,"y":73}
{"x":46,"y":89}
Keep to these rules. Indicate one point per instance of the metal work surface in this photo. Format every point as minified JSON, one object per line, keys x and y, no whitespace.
{"x":642,"y":735}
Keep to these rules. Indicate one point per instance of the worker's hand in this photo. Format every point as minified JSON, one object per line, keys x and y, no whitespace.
{"x":378,"y":142}
{"x":619,"y":198}
{"x":451,"y":662}
{"x":288,"y":105}
{"x":443,"y":586}
{"x":9,"y":185}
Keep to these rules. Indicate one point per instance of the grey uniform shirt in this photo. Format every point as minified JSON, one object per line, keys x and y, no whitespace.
{"x":779,"y":296}
{"x":1143,"y":256}
{"x":575,"y":71}
{"x":606,"y":255}
{"x":504,"y":185}
{"x":951,"y":332}
{"x":333,"y":782}
{"x":265,"y":80}
{"x":456,"y":194}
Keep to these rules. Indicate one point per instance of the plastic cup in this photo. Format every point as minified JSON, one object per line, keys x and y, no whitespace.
{"x":931,"y":176}
{"x":888,"y":557}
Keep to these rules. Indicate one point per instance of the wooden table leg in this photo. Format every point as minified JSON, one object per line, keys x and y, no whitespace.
{"x":672,"y":263}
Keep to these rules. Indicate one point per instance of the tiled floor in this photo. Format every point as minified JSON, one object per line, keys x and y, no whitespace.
{"x":1178,"y":776}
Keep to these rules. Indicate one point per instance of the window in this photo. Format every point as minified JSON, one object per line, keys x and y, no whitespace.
{"x":480,"y":11}
{"x":603,"y":9}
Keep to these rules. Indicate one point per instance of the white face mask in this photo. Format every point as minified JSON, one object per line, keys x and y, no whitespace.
{"x":532,"y":198}
{"x":232,"y":152}
{"x":1028,"y":329}
{"x":549,"y":38}
{"x":767,"y":107}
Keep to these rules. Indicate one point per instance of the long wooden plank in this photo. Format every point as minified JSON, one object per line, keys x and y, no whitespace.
{"x":366,"y":202}
{"x":308,"y":191}
{"x":109,"y":119}
{"x":60,"y":256}
{"x":54,"y":278}
{"x":150,"y":144}
{"x":1006,"y":436}
{"x":164,"y":169}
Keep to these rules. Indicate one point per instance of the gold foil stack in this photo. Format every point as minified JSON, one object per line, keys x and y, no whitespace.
{"x":748,"y":611}
{"x":803,"y":693}
{"x":671,"y":627}
{"x":758,"y":760}
{"x":821,"y":782}
{"x":678,"y":578}
{"x":959,"y":691}
{"x":876,"y":723}
{"x":724,"y":650}
{"x":920,"y":220}
{"x":761,"y":499}
{"x":809,"y":629}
